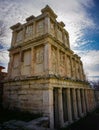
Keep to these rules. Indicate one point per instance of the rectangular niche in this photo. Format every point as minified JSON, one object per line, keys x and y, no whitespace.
{"x":26,"y":62}
{"x":39,"y":59}
{"x":29,"y":31}
{"x":40,"y":28}
{"x":16,"y":63}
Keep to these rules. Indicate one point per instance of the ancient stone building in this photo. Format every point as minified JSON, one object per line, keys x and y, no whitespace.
{"x":44,"y":74}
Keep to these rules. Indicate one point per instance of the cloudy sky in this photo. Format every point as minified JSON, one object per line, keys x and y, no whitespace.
{"x":81,"y":18}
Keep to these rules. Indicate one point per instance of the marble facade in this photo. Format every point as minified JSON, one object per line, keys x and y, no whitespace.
{"x":44,"y":74}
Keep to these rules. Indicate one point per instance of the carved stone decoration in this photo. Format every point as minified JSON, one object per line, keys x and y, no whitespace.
{"x":73,"y":69}
{"x":62,"y":63}
{"x":19,"y":36}
{"x":52,"y":29}
{"x":54,"y":59}
{"x":66,"y":40}
{"x":29,"y":31}
{"x":59,"y":35}
{"x":39,"y":55}
{"x":68,"y":67}
{"x":39,"y":59}
{"x":40,"y":27}
{"x":77,"y":70}
{"x":16,"y":61}
{"x":62,"y":59}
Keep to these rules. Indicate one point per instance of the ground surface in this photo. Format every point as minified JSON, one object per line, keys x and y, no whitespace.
{"x":10,"y":120}
{"x":90,"y":122}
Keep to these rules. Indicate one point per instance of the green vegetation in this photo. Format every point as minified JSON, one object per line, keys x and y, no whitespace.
{"x":6,"y":115}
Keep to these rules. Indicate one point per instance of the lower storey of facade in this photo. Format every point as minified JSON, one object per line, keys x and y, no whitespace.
{"x":63,"y":101}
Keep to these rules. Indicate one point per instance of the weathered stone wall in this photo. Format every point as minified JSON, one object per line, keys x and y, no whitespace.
{"x":46,"y":96}
{"x":25,"y":96}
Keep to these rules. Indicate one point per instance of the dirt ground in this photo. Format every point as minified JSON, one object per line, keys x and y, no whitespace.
{"x":90,"y":122}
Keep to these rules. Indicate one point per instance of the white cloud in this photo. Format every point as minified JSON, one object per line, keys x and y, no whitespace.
{"x":72,"y":12}
{"x":91,"y":62}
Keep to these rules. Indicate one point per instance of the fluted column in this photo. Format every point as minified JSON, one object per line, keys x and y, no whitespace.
{"x":75,"y":103}
{"x":79,"y":102}
{"x":69,"y":105}
{"x":60,"y":107}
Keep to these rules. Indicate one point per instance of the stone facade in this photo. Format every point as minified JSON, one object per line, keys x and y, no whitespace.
{"x":44,"y":74}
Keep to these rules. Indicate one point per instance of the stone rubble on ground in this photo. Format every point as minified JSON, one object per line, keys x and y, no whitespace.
{"x":37,"y":124}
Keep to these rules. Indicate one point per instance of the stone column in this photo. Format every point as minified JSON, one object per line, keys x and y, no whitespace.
{"x":69,"y":105}
{"x":79,"y":102}
{"x":51,"y":109}
{"x":87,"y":103}
{"x":83,"y":101}
{"x":74,"y":103}
{"x":60,"y":107}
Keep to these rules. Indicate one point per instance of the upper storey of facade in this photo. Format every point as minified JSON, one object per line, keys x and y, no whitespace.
{"x":41,"y":47}
{"x":36,"y":27}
